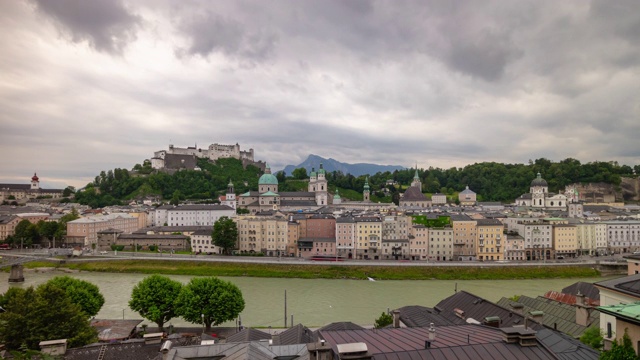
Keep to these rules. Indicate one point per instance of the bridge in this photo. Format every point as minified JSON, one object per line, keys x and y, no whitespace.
{"x":15,"y":261}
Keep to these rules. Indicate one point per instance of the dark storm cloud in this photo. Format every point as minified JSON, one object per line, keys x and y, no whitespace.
{"x":106,"y":25}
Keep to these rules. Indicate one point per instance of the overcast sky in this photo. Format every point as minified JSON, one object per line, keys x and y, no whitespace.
{"x":94,"y":85}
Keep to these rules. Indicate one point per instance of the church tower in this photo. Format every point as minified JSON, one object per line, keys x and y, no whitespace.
{"x":230,"y":198}
{"x":365,"y":194}
{"x":416,"y":181}
{"x":321,"y":187}
{"x":313,"y":177}
{"x":35,"y":182}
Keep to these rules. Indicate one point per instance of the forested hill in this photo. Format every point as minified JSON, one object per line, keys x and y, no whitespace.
{"x":491,"y":181}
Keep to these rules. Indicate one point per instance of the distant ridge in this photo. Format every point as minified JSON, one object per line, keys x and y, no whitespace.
{"x":313,"y":161}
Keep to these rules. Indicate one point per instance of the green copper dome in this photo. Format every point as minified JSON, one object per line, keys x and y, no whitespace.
{"x":366,"y":184}
{"x":267,"y":178}
{"x":337,"y":195}
{"x":313,"y":173}
{"x":321,"y":170}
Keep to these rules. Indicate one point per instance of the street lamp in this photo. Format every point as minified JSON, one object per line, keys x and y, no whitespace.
{"x":202,"y":316}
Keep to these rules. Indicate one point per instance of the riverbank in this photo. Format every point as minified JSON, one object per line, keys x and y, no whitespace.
{"x":196,"y":268}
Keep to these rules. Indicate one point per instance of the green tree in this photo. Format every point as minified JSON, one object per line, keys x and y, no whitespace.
{"x":48,"y":229}
{"x":154,"y":298}
{"x":175,"y":198}
{"x":83,"y":293}
{"x":225,"y":234}
{"x":592,"y":337}
{"x":68,"y":191}
{"x":46,"y":313}
{"x":209,"y":301}
{"x":299,"y":173}
{"x":384,"y":320}
{"x":26,"y":233}
{"x":620,"y":351}
{"x":241,"y":211}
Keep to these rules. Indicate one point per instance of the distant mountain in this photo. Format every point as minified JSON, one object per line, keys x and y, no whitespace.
{"x":313,"y":161}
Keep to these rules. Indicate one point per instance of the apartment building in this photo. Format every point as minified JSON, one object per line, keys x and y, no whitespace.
{"x":489,"y":240}
{"x":346,"y":237}
{"x":441,"y":244}
{"x":586,"y":238}
{"x":268,"y":235}
{"x":369,"y":235}
{"x":419,"y":242}
{"x":538,"y":238}
{"x":514,"y":247}
{"x":464,"y":237}
{"x":623,"y":236}
{"x":565,"y":240}
{"x":84,"y":231}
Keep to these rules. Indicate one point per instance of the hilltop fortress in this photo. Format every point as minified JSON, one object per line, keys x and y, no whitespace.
{"x":177,"y":157}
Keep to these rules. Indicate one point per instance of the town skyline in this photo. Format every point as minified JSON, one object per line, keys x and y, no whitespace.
{"x":92,"y":86}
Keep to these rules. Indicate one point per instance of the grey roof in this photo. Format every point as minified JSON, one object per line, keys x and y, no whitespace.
{"x":413,"y":193}
{"x":467,"y":191}
{"x":345,"y":219}
{"x":452,"y":342}
{"x":255,"y":350}
{"x":460,"y":217}
{"x":477,"y":308}
{"x":171,"y":229}
{"x":248,"y":334}
{"x":298,"y":334}
{"x":557,"y":315}
{"x":297,"y":203}
{"x":133,"y":350}
{"x":629,"y":285}
{"x":344,"y":325}
{"x":489,"y":222}
{"x":15,"y":186}
{"x":151,"y":237}
{"x":565,"y":347}
{"x":420,"y":316}
{"x":297,"y":194}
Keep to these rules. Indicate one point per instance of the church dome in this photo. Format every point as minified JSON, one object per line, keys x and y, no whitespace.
{"x":35,"y":177}
{"x":268,"y":178}
{"x":539,"y":181}
{"x":337,"y":195}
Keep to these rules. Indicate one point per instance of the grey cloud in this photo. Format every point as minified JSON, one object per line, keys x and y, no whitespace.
{"x":210,"y":32}
{"x":107,"y":25}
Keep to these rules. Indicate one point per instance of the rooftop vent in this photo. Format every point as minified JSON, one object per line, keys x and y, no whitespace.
{"x":459,"y":313}
{"x":519,"y":335}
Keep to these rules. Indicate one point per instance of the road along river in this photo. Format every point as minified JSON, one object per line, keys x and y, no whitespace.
{"x":312,"y":302}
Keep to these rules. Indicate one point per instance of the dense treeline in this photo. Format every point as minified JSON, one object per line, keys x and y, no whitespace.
{"x":113,"y":187}
{"x":491,"y":181}
{"x":501,"y":182}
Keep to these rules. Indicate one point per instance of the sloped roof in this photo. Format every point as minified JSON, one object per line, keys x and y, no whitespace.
{"x":248,"y":334}
{"x":629,"y":285}
{"x":413,"y":193}
{"x":585,"y":288}
{"x":298,"y":334}
{"x":565,"y":347}
{"x":176,"y":161}
{"x":477,"y":308}
{"x":421,"y":316}
{"x":557,"y":315}
{"x":344,"y":325}
{"x":452,"y":342}
{"x":255,"y":350}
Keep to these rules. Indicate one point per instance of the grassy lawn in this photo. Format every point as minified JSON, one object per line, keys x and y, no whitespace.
{"x":326,"y":271}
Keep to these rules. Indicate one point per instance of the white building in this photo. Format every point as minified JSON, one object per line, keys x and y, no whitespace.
{"x":540,"y":197}
{"x":198,"y":215}
{"x":202,"y":242}
{"x":623,"y":236}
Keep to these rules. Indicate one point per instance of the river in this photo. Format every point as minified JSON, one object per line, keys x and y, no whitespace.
{"x":312,"y":302}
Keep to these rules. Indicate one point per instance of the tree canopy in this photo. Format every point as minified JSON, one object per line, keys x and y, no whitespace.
{"x":225,"y":234}
{"x":46,"y":313}
{"x":83,"y":293}
{"x":209,"y":301}
{"x":154,"y":298}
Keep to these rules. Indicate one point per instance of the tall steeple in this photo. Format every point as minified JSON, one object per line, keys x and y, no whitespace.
{"x":416,"y":180}
{"x":366,"y":194}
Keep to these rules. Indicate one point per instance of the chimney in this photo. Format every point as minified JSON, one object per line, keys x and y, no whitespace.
{"x":165,"y":349}
{"x":459,"y":313}
{"x":582,"y":311}
{"x":518,"y":308}
{"x":536,"y":316}
{"x":432,"y":333}
{"x":396,"y":318}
